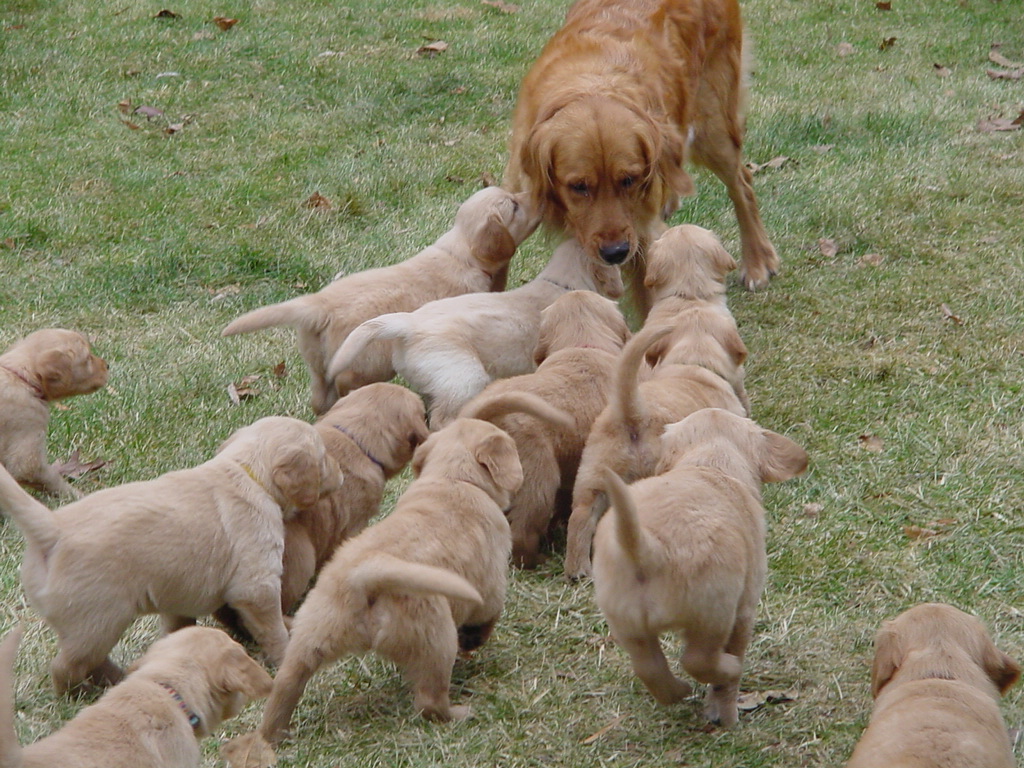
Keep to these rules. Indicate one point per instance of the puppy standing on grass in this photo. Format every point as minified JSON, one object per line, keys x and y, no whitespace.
{"x":450,"y":349}
{"x":936,"y":679}
{"x":581,"y":336}
{"x":488,"y":228}
{"x":45,"y":366}
{"x":428,"y":578}
{"x":620,"y":97}
{"x":626,"y":437}
{"x":684,"y":552}
{"x":182,"y":688}
{"x":181,"y":545}
{"x":686,"y":271}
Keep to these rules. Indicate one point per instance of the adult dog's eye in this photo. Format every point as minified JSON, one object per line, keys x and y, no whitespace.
{"x":580,"y":188}
{"x":627,"y":182}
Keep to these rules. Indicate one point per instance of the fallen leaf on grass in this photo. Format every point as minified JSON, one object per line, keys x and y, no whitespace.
{"x":871,"y":260}
{"x":149,"y":113}
{"x":997,"y":58}
{"x":488,"y":180}
{"x":125,"y":106}
{"x":280,"y":370}
{"x":748,"y":702}
{"x":845,"y":49}
{"x":244,"y":389}
{"x":227,"y":290}
{"x":872,"y":443}
{"x":74,"y":467}
{"x":1005,"y":74}
{"x":166,"y":14}
{"x":502,"y":6}
{"x":940,"y":70}
{"x":224,"y":22}
{"x":950,"y":315}
{"x":917,"y":533}
{"x":992,"y":124}
{"x":772,"y":165}
{"x":887,"y":43}
{"x":318,"y":202}
{"x":432,"y":49}
{"x":828,"y":247}
{"x":813,"y":510}
{"x":883,"y":5}
{"x":603,"y":730}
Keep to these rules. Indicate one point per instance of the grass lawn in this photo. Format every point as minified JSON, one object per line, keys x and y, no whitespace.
{"x":157,"y":179}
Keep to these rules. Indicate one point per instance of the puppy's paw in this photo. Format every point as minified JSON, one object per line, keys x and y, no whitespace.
{"x":249,"y":751}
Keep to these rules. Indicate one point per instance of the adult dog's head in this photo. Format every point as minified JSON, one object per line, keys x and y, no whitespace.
{"x":603,"y":168}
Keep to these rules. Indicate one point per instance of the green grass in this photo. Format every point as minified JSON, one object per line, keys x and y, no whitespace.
{"x":151,"y":243}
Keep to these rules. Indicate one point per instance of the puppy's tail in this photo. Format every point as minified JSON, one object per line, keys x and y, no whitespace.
{"x":10,"y":749}
{"x":489,"y":408}
{"x":627,"y":394}
{"x":295,"y":313}
{"x":630,"y":535}
{"x":35,"y":521}
{"x":385,"y":573}
{"x":394,"y":325}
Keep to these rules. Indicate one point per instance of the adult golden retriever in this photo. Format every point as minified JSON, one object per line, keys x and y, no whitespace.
{"x":620,"y":98}
{"x":936,"y":679}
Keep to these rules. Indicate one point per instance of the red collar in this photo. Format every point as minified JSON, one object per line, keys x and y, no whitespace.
{"x":36,"y":389}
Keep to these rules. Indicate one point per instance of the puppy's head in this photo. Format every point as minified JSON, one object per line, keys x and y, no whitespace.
{"x":286,"y":457}
{"x":580,"y":319}
{"x":62,"y":362}
{"x":495,"y":222}
{"x":387,"y":420}
{"x":602,"y":168}
{"x":937,"y":640}
{"x":687,"y":261}
{"x":737,"y":445}
{"x":210,"y":671}
{"x":472,"y":451}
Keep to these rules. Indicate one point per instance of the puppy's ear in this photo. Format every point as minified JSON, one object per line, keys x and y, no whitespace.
{"x":888,"y":657}
{"x":54,"y":368}
{"x":492,"y":244}
{"x":660,"y":268}
{"x":297,"y":475}
{"x":782,"y":458}
{"x":419,"y":458}
{"x":721,"y":261}
{"x":540,"y":352}
{"x":1003,"y":670}
{"x":237,"y":673}
{"x":497,"y":454}
{"x":733,"y":345}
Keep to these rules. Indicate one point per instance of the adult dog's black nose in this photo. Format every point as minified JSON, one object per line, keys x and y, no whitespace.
{"x":614,"y":253}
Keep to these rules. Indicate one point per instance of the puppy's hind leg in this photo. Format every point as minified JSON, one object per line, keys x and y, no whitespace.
{"x":533,"y":507}
{"x":261,"y":615}
{"x":429,"y":670}
{"x":711,"y":664}
{"x":651,"y":666}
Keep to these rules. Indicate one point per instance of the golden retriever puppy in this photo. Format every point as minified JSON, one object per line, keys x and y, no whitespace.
{"x":450,"y":349}
{"x":684,"y":552}
{"x":581,"y":336}
{"x":428,"y":578}
{"x":488,"y":228}
{"x":936,"y":680}
{"x":184,"y":686}
{"x":181,"y":545}
{"x":47,"y":365}
{"x":686,"y":269}
{"x":626,"y":437}
{"x":620,"y":97}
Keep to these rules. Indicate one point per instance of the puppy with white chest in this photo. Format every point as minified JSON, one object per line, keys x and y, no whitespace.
{"x":184,"y":686}
{"x":449,"y":350}
{"x":684,"y":552}
{"x":45,"y":366}
{"x":488,"y":228}
{"x":180,"y":545}
{"x":581,"y":336}
{"x":937,"y":678}
{"x":428,"y":578}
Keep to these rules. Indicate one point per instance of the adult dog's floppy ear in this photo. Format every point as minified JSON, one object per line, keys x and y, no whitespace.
{"x":497,"y":454}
